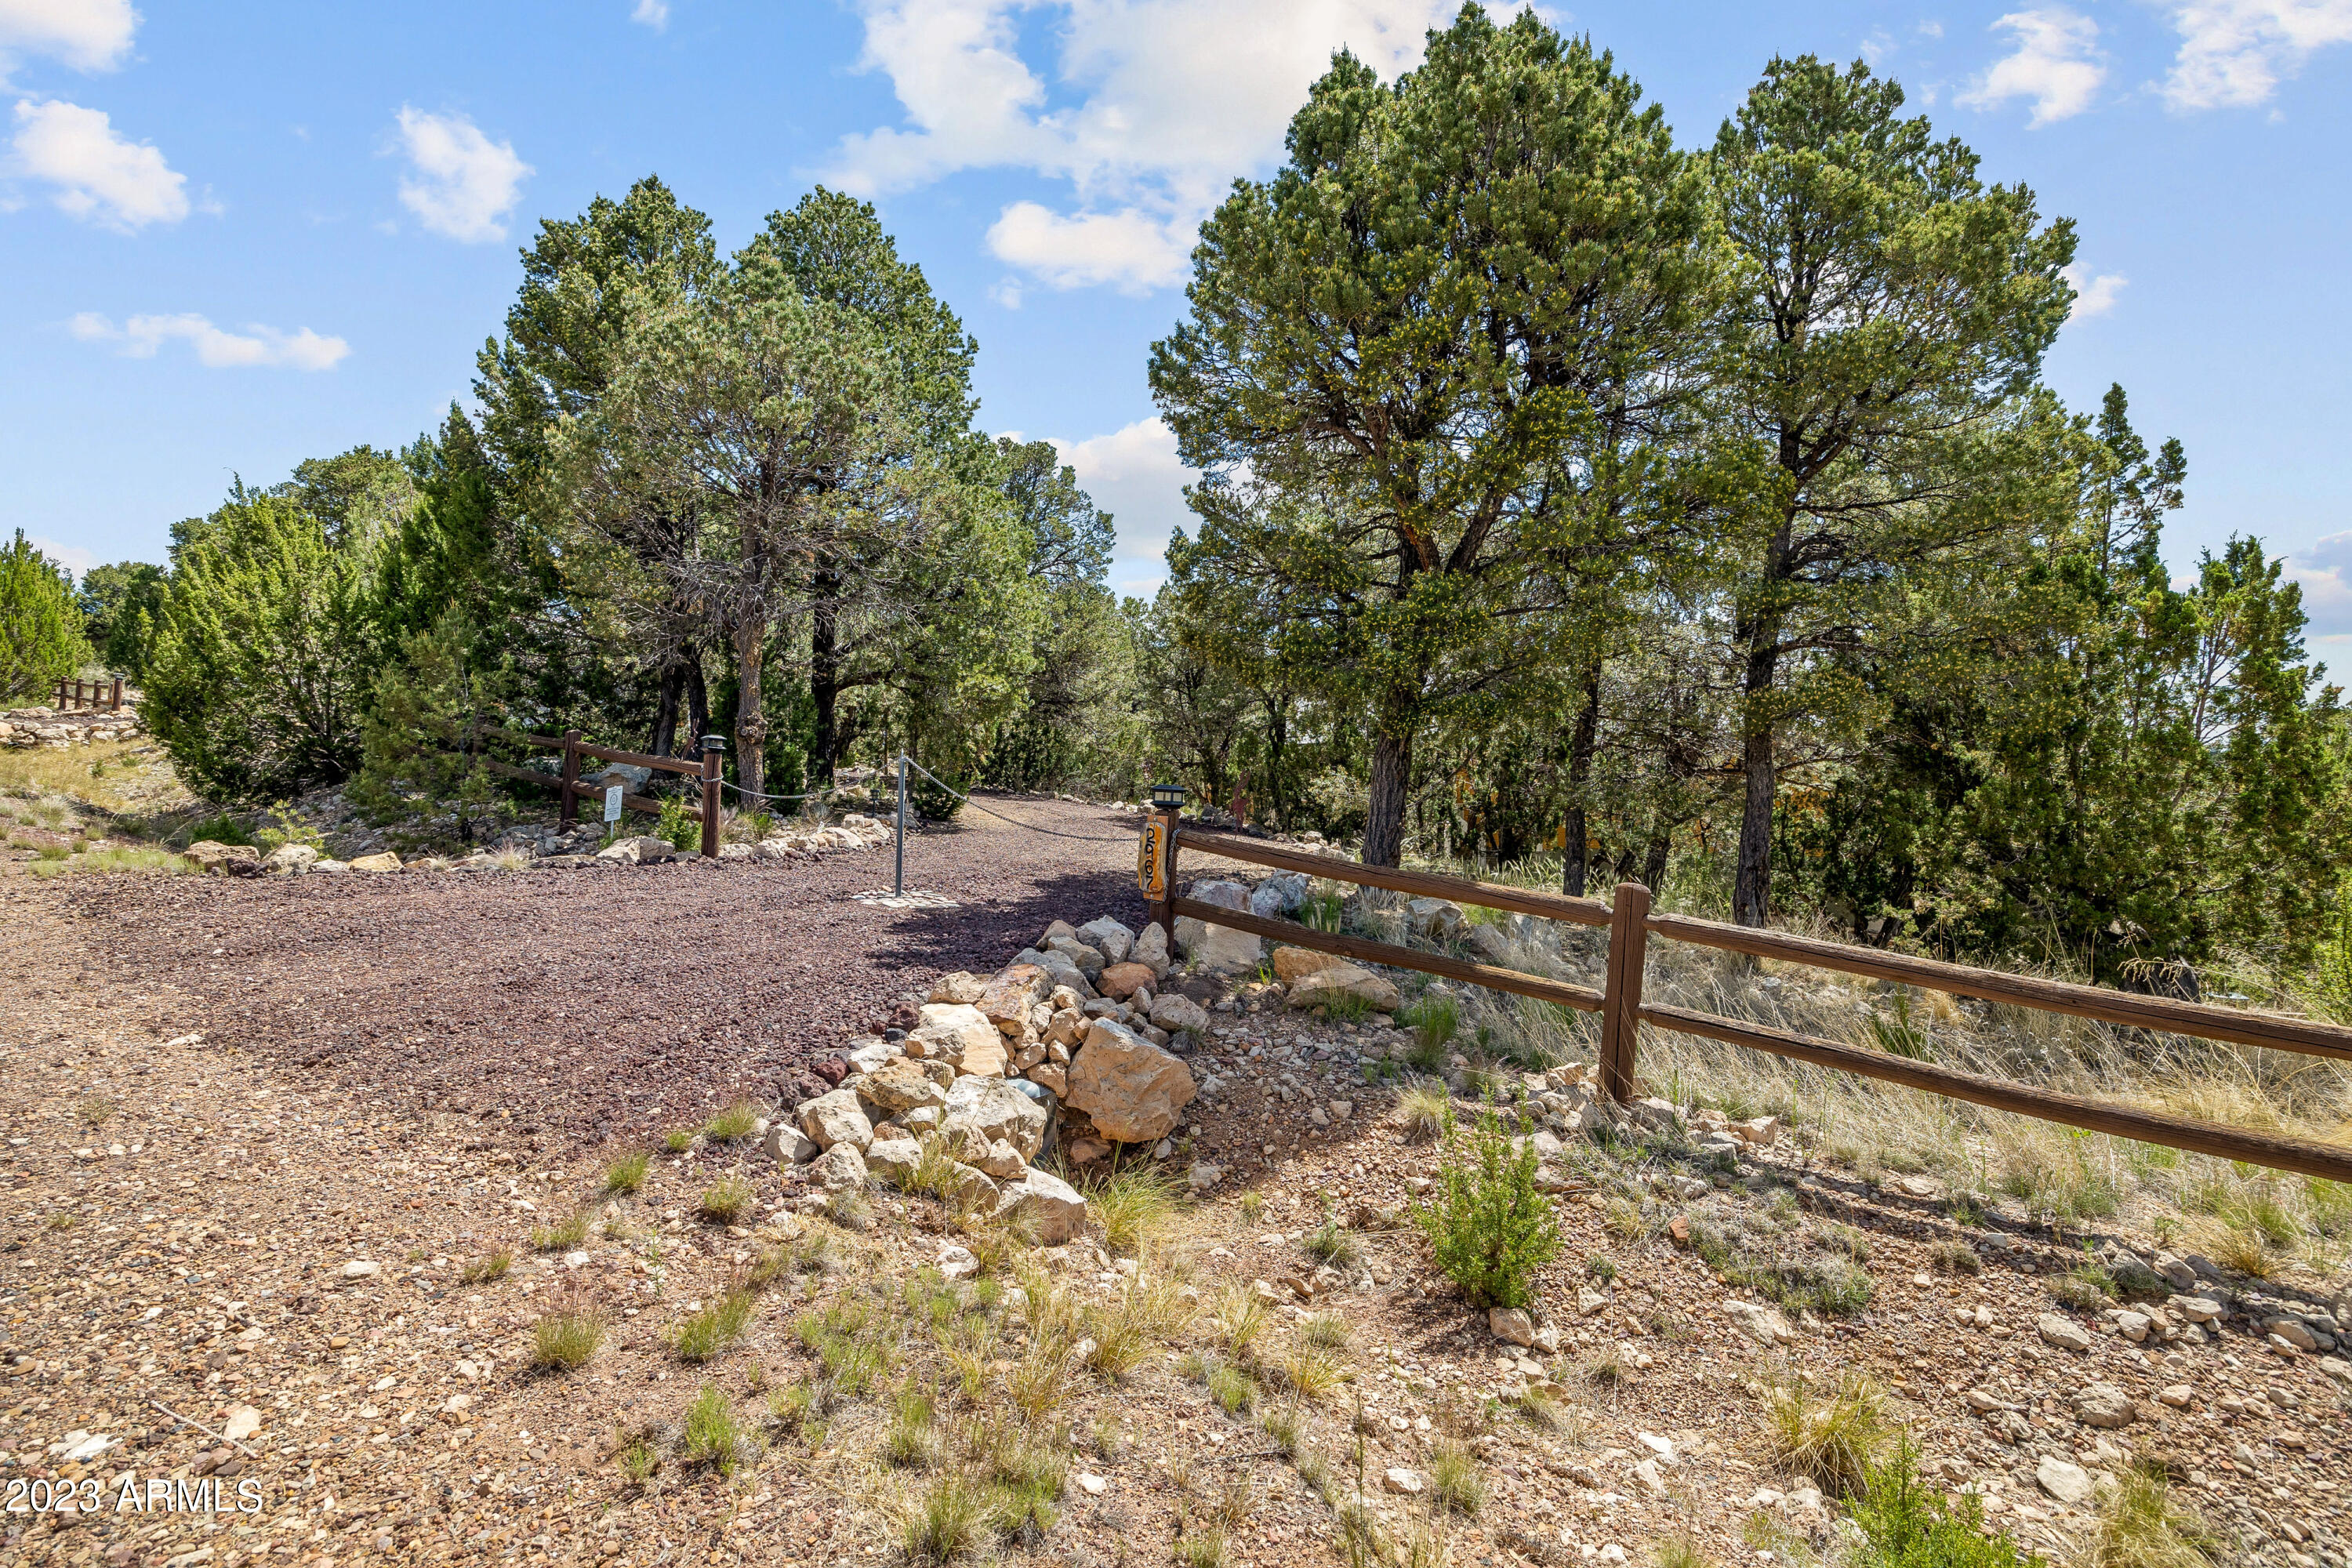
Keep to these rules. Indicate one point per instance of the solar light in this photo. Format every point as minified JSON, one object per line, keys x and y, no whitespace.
{"x":1168,"y":797}
{"x":714,"y":743}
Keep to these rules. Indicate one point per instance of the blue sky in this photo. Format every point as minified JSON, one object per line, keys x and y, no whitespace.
{"x":237,"y":235}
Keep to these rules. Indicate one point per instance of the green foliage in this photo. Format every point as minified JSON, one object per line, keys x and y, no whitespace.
{"x":264,"y":655}
{"x":41,"y":640}
{"x":1489,"y":1227}
{"x":119,"y":605}
{"x":422,"y":760}
{"x":1908,"y":1522}
{"x":680,"y":823}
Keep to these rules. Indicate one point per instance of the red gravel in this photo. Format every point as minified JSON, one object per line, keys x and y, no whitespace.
{"x":591,"y":1003}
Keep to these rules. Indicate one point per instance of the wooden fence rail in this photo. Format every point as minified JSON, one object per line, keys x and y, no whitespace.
{"x":1631,"y":924}
{"x":95,"y":694}
{"x":703,"y":770}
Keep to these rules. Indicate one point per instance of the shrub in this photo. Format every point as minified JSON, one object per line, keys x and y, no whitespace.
{"x":1909,"y":1523}
{"x":1490,"y":1229}
{"x":421,"y":763}
{"x":41,"y":640}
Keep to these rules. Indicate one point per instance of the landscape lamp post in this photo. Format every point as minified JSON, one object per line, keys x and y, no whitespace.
{"x":1166,"y":798}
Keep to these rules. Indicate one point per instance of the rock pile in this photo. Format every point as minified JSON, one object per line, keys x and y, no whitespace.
{"x":1068,"y":1044}
{"x":78,"y":727}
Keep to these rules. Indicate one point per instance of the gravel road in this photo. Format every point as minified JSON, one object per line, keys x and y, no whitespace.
{"x":592,"y":1003}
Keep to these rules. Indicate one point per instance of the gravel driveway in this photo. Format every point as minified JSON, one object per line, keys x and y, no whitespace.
{"x":589,"y":1004}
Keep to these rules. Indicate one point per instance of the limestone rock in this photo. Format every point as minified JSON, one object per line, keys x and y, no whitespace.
{"x":1130,"y":1088}
{"x":1174,"y":1011}
{"x":1016,"y":988}
{"x":894,"y":1159}
{"x":1052,"y":1078}
{"x":1284,"y":893}
{"x":1328,"y":984}
{"x":902,"y":1084}
{"x":834,"y":1118}
{"x":384,"y":861}
{"x":1055,"y":1205}
{"x":1766,"y":1323}
{"x":840,"y":1169}
{"x":1110,"y":938}
{"x":972,"y":1189}
{"x":1150,"y":950}
{"x":2065,"y":1483}
{"x":1402,"y":1481}
{"x":1089,"y":962}
{"x":952,"y":1031}
{"x":215,"y":859}
{"x":2063,"y":1332}
{"x":956,"y":1262}
{"x":2104,"y":1404}
{"x":1292,"y":964}
{"x":1121,"y":981}
{"x":1057,"y":969}
{"x":993,"y":1109}
{"x":289,"y":859}
{"x":1511,"y":1325}
{"x":1438,"y":920}
{"x":786,"y":1142}
{"x":958,"y":987}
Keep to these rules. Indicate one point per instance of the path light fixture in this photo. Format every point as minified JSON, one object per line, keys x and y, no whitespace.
{"x":1168,"y":797}
{"x":714,"y":743}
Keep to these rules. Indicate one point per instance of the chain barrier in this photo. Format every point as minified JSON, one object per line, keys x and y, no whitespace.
{"x":1052,"y":832}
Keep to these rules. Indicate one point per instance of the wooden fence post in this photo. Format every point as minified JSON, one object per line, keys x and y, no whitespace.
{"x":61,"y":696}
{"x":1164,"y":909}
{"x":710,"y":758}
{"x":116,"y":706}
{"x":1621,"y":1007}
{"x":570,"y":814}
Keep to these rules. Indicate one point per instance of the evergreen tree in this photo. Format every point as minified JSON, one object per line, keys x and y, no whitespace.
{"x":41,"y":639}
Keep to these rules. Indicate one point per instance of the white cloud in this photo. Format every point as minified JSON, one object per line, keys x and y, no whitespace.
{"x":88,"y":35}
{"x":2324,"y":570}
{"x":2233,"y":53}
{"x":1931,"y":29}
{"x":2058,"y":65}
{"x":99,"y":174}
{"x":460,"y":183}
{"x":72,"y":557}
{"x":1147,"y":107}
{"x":2093,"y":296}
{"x":1130,"y":249}
{"x":654,"y":14}
{"x":140,"y":336}
{"x":1134,"y":474}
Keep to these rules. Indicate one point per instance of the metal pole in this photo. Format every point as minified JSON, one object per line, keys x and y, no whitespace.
{"x":898,"y":876}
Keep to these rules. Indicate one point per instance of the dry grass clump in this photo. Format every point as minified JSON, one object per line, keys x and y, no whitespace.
{"x":1134,"y":1206}
{"x":487,"y":1270}
{"x":714,"y":1436}
{"x":561,"y":1235}
{"x":2141,"y":1526}
{"x":627,"y":1174}
{"x":725,"y":1201}
{"x":1835,"y":1441}
{"x":1455,"y":1481}
{"x":1424,"y":1108}
{"x":711,"y":1330}
{"x":566,"y":1337}
{"x":734,"y":1124}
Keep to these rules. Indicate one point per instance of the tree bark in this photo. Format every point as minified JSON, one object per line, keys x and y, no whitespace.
{"x":697,"y":701}
{"x":1575,"y":836}
{"x":1654,"y":865}
{"x":1277,"y":736}
{"x":663,"y":741}
{"x":1384,"y":812}
{"x":825,"y":675}
{"x":751,"y":715}
{"x":1751,"y":890}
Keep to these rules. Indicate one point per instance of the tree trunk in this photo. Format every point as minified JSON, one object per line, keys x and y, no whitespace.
{"x":1751,"y":890}
{"x":663,"y":742}
{"x":697,"y":702}
{"x":1277,"y":736}
{"x":1654,"y":865}
{"x":1579,"y":770}
{"x":1384,"y":812}
{"x":751,"y":716}
{"x":824,"y":677}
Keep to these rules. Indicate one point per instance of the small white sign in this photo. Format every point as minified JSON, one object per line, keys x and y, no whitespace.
{"x":612,"y":803}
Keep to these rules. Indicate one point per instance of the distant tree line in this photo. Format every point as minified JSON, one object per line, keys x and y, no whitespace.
{"x":1570,"y":497}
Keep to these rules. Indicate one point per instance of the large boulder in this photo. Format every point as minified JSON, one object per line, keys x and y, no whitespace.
{"x":216,"y":858}
{"x":993,"y":1109}
{"x":1335,"y":981}
{"x":1282,"y":894}
{"x":954,"y":1032}
{"x":289,"y":859}
{"x":902,"y":1084}
{"x":1223,"y":892}
{"x":1121,"y":981}
{"x":1150,"y":950}
{"x":1176,"y":1011}
{"x":1016,"y":988}
{"x":1110,"y":938}
{"x":840,"y":1169}
{"x":894,"y":1160}
{"x":1292,"y":964}
{"x":1220,"y":949}
{"x":1131,"y":1088}
{"x":1055,"y":1205}
{"x":836,"y":1118}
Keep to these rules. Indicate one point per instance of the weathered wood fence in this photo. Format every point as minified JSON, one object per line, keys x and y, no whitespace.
{"x":1631,"y":924}
{"x":97,"y":694}
{"x":703,"y":768}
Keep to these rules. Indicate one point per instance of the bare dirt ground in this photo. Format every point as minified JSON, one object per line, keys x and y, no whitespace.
{"x":256,"y":1131}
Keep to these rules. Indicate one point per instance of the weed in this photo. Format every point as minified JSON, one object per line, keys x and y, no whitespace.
{"x":1205,"y":1547}
{"x":712,"y":1329}
{"x":563,"y":1235}
{"x":1603,"y":1369}
{"x":911,"y":1442}
{"x":1285,"y":1428}
{"x":627,"y":1174}
{"x":1144,"y":1317}
{"x":849,"y":1210}
{"x":1836,"y":1442}
{"x":1306,"y":1371}
{"x":1435,"y":1020}
{"x":639,"y":1459}
{"x":803,"y":1407}
{"x":1424,"y":1107}
{"x":1239,"y":1320}
{"x":679,"y":1139}
{"x":2140,"y":1526}
{"x":1134,"y":1206}
{"x":725,"y":1201}
{"x":1490,"y":1230}
{"x":2086,"y":1287}
{"x":487,"y":1270}
{"x":1845,"y":1238}
{"x":1328,"y":1329}
{"x":713,"y":1435}
{"x":946,"y":1523}
{"x":734,"y":1124}
{"x":93,"y":1112}
{"x":1230,"y":1387}
{"x":1331,"y":1243}
{"x":1682,"y":1552}
{"x":1253,"y":1206}
{"x":1601,"y":1266}
{"x":1454,"y":1479}
{"x":566,"y":1337}
{"x":1909,"y":1523}
{"x":2244,"y":1249}
{"x":1955,"y":1258}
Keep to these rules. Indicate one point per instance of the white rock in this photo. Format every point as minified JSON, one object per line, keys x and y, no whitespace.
{"x":2063,"y":1332}
{"x":834,"y":1118}
{"x":359,"y":1268}
{"x":953,"y":1031}
{"x":993,"y":1111}
{"x":2103,"y":1404}
{"x":243,"y":1422}
{"x":956,"y":1262}
{"x":840,"y":1169}
{"x":1131,"y":1089}
{"x":1110,"y":938}
{"x":1646,"y":1472}
{"x":1511,"y":1325}
{"x":1402,"y":1481}
{"x":1059,"y":1211}
{"x":893,"y":1158}
{"x":2069,"y":1484}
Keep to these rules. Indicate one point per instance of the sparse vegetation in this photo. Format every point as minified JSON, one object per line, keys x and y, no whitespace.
{"x":627,"y":1174}
{"x":564,"y":1235}
{"x":487,"y":1270}
{"x":1837,"y":1441}
{"x":566,"y":1337}
{"x":1133,"y":1205}
{"x":710,"y":1331}
{"x":734,"y":1124}
{"x":2141,"y":1525}
{"x":725,"y":1201}
{"x":1490,"y":1229}
{"x":713,"y":1435}
{"x":1455,"y":1481}
{"x":1424,"y":1108}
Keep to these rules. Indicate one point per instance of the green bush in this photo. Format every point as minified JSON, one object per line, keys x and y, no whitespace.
{"x":41,"y":640}
{"x":1908,"y":1523}
{"x":263,"y":654}
{"x":421,"y":762}
{"x":930,"y":801}
{"x":679,"y":824}
{"x":1489,"y":1227}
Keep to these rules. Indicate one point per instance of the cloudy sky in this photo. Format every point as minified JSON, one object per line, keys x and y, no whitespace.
{"x":237,"y":235}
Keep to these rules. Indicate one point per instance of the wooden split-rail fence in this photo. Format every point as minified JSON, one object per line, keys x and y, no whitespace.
{"x":1631,"y":924}
{"x":704,"y":770}
{"x":99,"y":694}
